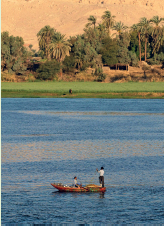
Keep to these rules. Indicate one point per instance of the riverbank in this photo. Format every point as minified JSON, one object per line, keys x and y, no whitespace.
{"x":145,"y":90}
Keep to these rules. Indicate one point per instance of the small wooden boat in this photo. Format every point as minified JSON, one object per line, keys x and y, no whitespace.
{"x":66,"y":188}
{"x":87,"y":188}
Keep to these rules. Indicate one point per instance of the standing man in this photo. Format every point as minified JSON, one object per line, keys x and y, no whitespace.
{"x":101,"y":177}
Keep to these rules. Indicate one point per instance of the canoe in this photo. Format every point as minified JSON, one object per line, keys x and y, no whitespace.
{"x":66,"y":188}
{"x":87,"y":188}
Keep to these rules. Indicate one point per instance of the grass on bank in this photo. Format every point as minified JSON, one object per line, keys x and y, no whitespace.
{"x":80,"y":89}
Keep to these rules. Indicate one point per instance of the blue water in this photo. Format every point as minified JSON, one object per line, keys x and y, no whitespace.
{"x":52,"y":140}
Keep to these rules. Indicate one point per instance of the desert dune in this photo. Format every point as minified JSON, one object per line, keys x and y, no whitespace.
{"x":26,"y":17}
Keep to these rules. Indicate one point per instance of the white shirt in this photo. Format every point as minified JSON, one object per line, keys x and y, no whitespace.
{"x":101,"y":172}
{"x":75,"y":182}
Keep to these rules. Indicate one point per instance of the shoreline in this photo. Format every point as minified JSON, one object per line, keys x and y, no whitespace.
{"x":110,"y":95}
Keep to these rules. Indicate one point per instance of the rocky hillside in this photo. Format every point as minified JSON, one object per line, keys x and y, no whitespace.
{"x":26,"y":17}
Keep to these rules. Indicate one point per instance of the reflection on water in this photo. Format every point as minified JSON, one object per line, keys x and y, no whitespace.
{"x":100,"y":195}
{"x":79,"y":150}
{"x":100,"y":113}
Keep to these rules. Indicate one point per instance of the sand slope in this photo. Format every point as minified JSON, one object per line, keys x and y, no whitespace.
{"x":26,"y":17}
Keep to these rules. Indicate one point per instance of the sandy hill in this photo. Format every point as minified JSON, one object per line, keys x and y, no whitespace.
{"x":26,"y":17}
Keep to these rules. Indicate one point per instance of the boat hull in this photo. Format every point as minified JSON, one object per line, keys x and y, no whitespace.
{"x":89,"y":188}
{"x":63,"y":188}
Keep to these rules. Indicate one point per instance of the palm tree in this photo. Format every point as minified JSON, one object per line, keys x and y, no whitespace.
{"x":119,"y":27}
{"x":159,"y":40}
{"x":145,"y":24}
{"x":157,"y":33}
{"x":45,"y":37}
{"x":101,"y":30}
{"x":138,"y":29}
{"x":59,"y":49}
{"x":156,"y":20}
{"x":108,"y":20}
{"x":92,"y":21}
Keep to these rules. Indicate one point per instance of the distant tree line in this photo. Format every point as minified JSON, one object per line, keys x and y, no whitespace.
{"x":13,"y":53}
{"x":107,"y":43}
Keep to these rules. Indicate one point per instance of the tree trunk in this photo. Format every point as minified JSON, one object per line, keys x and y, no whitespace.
{"x":139,"y":40}
{"x":61,"y":70}
{"x":145,"y":48}
{"x":47,"y":48}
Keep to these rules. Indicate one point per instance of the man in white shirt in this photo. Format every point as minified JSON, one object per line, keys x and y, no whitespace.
{"x":75,"y":183}
{"x":101,"y":177}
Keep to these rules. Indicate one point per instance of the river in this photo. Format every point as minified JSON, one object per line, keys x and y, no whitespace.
{"x":52,"y":140}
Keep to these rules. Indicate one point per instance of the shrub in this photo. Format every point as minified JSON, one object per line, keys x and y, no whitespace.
{"x":48,"y":70}
{"x":101,"y":77}
{"x":30,"y":78}
{"x":69,"y":64}
{"x":6,"y":77}
{"x":133,"y":59}
{"x":157,"y":59}
{"x":98,"y":71}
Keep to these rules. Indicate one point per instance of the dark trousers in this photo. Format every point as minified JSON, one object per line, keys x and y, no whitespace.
{"x":101,"y":180}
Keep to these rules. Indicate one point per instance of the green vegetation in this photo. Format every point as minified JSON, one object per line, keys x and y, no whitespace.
{"x":13,"y":54}
{"x":83,"y":89}
{"x":109,"y":51}
{"x":48,"y":70}
{"x":97,"y":46}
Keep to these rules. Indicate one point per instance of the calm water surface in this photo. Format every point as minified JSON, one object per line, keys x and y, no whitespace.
{"x":52,"y":140}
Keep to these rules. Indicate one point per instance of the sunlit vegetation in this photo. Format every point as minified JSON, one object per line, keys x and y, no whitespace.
{"x":106,"y":43}
{"x":83,"y":89}
{"x":84,"y":86}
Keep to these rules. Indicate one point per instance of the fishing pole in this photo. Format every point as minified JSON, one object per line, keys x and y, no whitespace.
{"x":91,"y":180}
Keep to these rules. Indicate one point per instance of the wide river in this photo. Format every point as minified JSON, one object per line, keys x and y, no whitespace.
{"x":52,"y":140}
